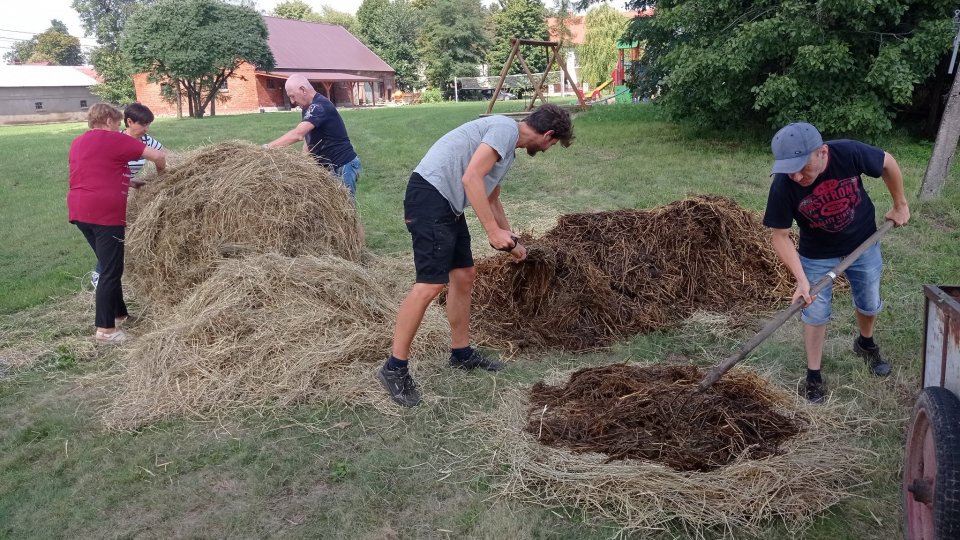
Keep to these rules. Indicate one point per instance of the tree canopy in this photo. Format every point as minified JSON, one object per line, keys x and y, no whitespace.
{"x":847,"y":66}
{"x":300,"y":10}
{"x":452,"y":40}
{"x":195,"y":45}
{"x":603,"y":27}
{"x":389,"y":28}
{"x":525,"y":19}
{"x":104,"y":20}
{"x":54,"y":46}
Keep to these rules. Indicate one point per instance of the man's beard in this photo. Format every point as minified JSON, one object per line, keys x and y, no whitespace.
{"x":532,"y":151}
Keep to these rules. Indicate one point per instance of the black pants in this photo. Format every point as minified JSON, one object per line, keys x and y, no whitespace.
{"x":107,"y":244}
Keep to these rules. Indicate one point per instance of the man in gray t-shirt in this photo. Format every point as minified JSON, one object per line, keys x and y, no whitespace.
{"x":464,"y":168}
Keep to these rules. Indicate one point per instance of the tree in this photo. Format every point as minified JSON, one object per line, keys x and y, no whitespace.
{"x":54,"y":46}
{"x":561,"y":14}
{"x":104,"y":20}
{"x":295,"y":9}
{"x":452,"y":41}
{"x":603,"y":27}
{"x":340,"y":18}
{"x":193,"y":46}
{"x":116,"y":75}
{"x":525,"y":19}
{"x":20,"y":51}
{"x":846,"y":66}
{"x":299,"y":10}
{"x":390,"y":30}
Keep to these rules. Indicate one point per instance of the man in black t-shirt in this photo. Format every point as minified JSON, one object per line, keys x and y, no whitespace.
{"x":819,"y":186}
{"x":322,"y":130}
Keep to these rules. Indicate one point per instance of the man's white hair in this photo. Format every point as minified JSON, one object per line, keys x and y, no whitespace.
{"x":296,"y":81}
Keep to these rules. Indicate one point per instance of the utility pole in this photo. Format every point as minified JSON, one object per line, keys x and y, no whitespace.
{"x":945,"y":147}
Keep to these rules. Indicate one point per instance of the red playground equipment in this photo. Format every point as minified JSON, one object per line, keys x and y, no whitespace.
{"x":618,"y":75}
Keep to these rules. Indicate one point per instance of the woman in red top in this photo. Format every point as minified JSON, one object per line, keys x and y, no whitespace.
{"x":97,"y":205}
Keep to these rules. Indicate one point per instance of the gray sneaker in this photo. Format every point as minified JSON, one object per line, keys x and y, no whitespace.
{"x":400,"y":385}
{"x":878,"y":366}
{"x":476,"y":360}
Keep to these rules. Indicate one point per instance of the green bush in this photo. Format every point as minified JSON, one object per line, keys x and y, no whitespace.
{"x":431,"y":95}
{"x":847,"y":66}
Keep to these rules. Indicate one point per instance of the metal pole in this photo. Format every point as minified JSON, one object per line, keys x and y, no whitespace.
{"x":456,"y":96}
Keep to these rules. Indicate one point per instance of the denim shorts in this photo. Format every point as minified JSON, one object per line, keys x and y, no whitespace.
{"x":349,"y":172}
{"x":864,"y":278}
{"x":441,"y":239}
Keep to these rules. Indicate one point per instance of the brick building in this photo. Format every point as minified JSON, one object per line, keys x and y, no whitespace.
{"x":337,"y":63}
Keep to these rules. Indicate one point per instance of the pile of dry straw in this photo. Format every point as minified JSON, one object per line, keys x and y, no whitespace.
{"x":251,"y":265}
{"x":809,"y":471}
{"x":231,"y":196}
{"x":598,"y":277}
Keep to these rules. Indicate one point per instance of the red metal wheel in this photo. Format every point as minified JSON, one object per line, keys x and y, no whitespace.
{"x":931,"y":472}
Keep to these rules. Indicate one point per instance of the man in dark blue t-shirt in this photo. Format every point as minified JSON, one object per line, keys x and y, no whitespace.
{"x":322,"y":130}
{"x":819,"y":186}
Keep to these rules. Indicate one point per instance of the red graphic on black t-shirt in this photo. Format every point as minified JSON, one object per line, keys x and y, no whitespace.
{"x":832,"y":205}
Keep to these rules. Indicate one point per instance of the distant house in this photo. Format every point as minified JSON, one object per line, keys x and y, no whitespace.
{"x":337,"y":63}
{"x":32,"y":94}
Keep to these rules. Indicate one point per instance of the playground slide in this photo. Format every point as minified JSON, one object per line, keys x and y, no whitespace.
{"x":596,"y":91}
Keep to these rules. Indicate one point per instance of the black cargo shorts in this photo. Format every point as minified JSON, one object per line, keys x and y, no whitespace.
{"x":441,"y":239}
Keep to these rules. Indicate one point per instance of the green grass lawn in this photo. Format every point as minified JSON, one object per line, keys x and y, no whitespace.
{"x":323,"y":471}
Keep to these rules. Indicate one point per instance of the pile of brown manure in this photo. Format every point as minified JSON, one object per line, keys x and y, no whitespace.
{"x":655,"y":413}
{"x":598,"y":277}
{"x":586,"y":444}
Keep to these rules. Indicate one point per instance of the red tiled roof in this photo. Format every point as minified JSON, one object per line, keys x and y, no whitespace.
{"x":90,"y":72}
{"x":305,"y":46}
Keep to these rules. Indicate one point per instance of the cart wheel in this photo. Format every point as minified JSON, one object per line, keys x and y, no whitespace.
{"x":931,"y":475}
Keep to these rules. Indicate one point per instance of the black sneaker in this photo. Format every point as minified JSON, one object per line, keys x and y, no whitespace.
{"x":878,"y":366}
{"x":814,"y":391}
{"x":476,"y":360}
{"x":400,"y":385}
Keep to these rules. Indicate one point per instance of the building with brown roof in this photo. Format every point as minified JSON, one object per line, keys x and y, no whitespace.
{"x":340,"y":67}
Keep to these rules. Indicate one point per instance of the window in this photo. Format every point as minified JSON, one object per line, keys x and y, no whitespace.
{"x":83,"y":104}
{"x":38,"y":105}
{"x":223,"y":86}
{"x":271,"y":85}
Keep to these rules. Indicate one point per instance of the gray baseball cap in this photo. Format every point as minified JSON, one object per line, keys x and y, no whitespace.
{"x":792,"y":146}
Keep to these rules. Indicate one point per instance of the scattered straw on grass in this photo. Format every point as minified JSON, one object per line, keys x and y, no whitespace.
{"x":268,"y":331}
{"x":62,"y":328}
{"x":599,"y":277}
{"x":232,"y":194}
{"x":808,"y":473}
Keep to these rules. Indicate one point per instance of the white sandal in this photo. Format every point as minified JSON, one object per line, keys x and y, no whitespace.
{"x":117,"y":336}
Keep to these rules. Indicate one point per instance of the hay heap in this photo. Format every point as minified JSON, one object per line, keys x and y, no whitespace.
{"x":227,"y":195}
{"x":596,"y":278}
{"x":763,"y":454}
{"x":267,"y":330}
